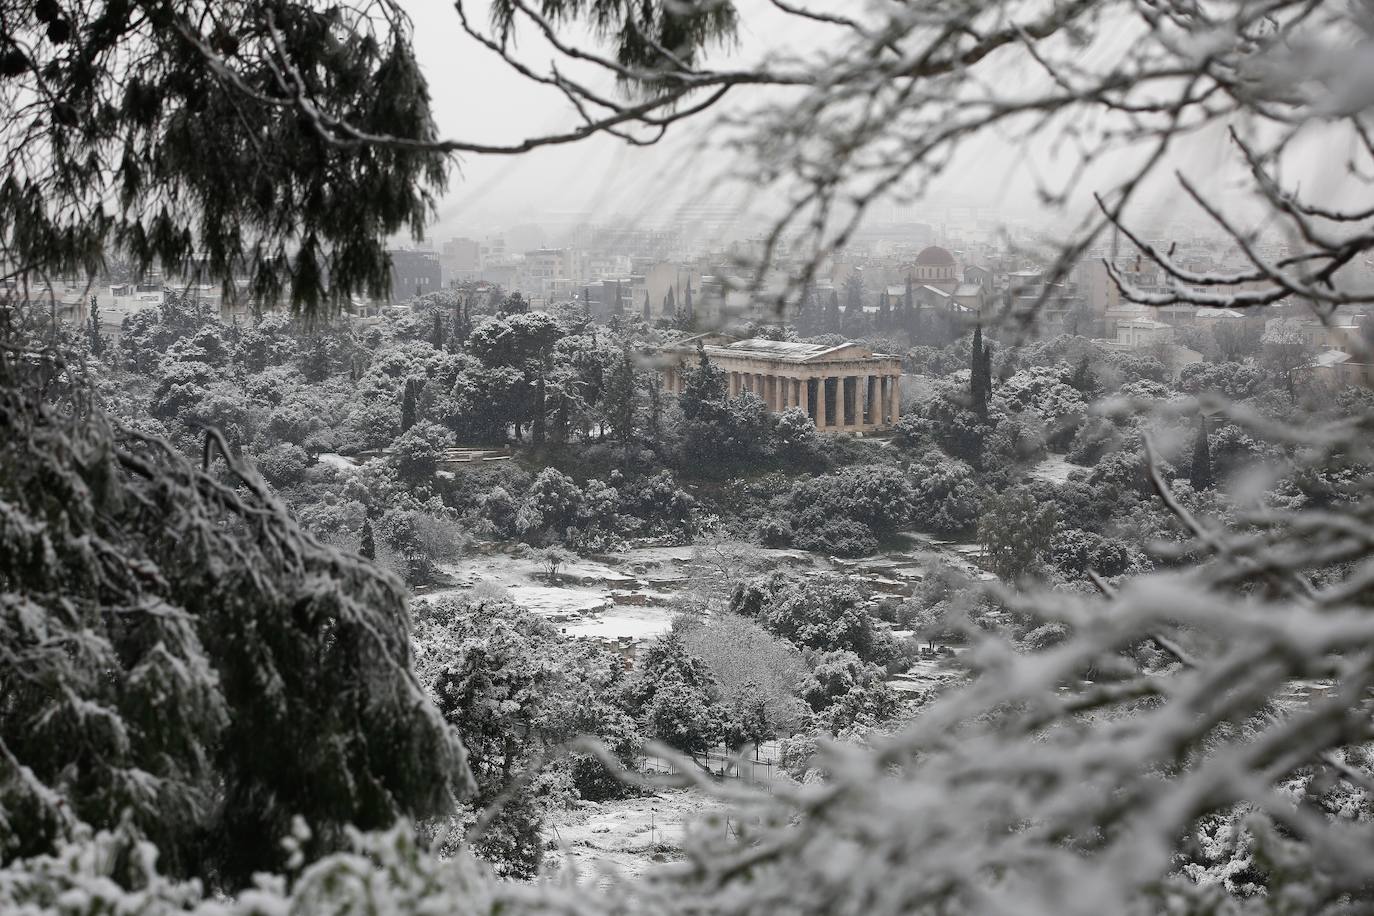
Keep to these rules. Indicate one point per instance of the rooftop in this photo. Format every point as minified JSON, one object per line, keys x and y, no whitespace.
{"x":935,"y":256}
{"x":788,"y":351}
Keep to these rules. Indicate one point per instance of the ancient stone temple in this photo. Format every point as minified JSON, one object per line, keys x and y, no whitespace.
{"x":842,"y":388}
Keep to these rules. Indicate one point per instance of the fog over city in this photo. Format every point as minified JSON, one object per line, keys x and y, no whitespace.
{"x":684,"y":457}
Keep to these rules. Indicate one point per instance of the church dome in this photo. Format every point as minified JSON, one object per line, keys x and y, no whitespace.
{"x":935,"y":256}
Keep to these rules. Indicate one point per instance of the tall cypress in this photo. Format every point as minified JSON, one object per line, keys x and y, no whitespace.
{"x":1201,"y":473}
{"x":367,"y":547}
{"x":437,"y":336}
{"x":976,"y":382}
{"x":97,"y":339}
{"x":987,"y":375}
{"x":648,"y":311}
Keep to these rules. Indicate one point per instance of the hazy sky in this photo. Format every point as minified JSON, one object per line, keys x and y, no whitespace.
{"x":478,"y":97}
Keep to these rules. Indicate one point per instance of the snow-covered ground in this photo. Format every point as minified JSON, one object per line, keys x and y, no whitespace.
{"x":628,"y":594}
{"x":586,"y":598}
{"x":338,"y":461}
{"x":1055,"y":469}
{"x":631,"y":835}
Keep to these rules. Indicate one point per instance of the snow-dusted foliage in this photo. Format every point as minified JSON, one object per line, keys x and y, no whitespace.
{"x":177,"y":652}
{"x":1219,"y":702}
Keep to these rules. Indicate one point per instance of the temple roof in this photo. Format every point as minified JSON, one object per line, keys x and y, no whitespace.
{"x":786,"y":351}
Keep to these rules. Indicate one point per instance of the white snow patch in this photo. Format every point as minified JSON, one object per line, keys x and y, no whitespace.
{"x":1055,"y":469}
{"x":338,"y":461}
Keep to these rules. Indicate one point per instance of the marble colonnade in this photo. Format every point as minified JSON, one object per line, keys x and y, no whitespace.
{"x":837,"y":398}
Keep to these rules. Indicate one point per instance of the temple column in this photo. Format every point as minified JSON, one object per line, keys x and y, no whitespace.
{"x":883,"y":398}
{"x":771,"y":386}
{"x":894,"y":397}
{"x":804,"y":395}
{"x":822,"y":414}
{"x":848,"y":414}
{"x":873,"y":409}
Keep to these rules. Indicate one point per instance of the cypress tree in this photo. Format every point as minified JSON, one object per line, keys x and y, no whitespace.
{"x":437,"y":337}
{"x":670,"y":304}
{"x":987,"y":376}
{"x":884,"y":311}
{"x":687,"y":309}
{"x":367,"y":548}
{"x":976,"y":382}
{"x":648,"y":312}
{"x":620,"y":400}
{"x":97,"y":341}
{"x":1201,"y":474}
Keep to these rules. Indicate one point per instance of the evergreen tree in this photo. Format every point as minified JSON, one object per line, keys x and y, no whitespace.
{"x":704,"y":384}
{"x":987,"y":375}
{"x":648,"y":312}
{"x":617,"y":305}
{"x":367,"y":547}
{"x":97,"y":339}
{"x":688,"y":310}
{"x":1201,"y":474}
{"x":215,"y":673}
{"x":587,"y":300}
{"x":620,"y":399}
{"x":408,"y":405}
{"x":670,"y":304}
{"x":977,"y":392}
{"x":884,"y":321}
{"x":437,"y":335}
{"x":653,"y":422}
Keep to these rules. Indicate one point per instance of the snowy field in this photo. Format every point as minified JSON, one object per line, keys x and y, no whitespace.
{"x":629,"y":836}
{"x":628,"y":594}
{"x":1055,"y":469}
